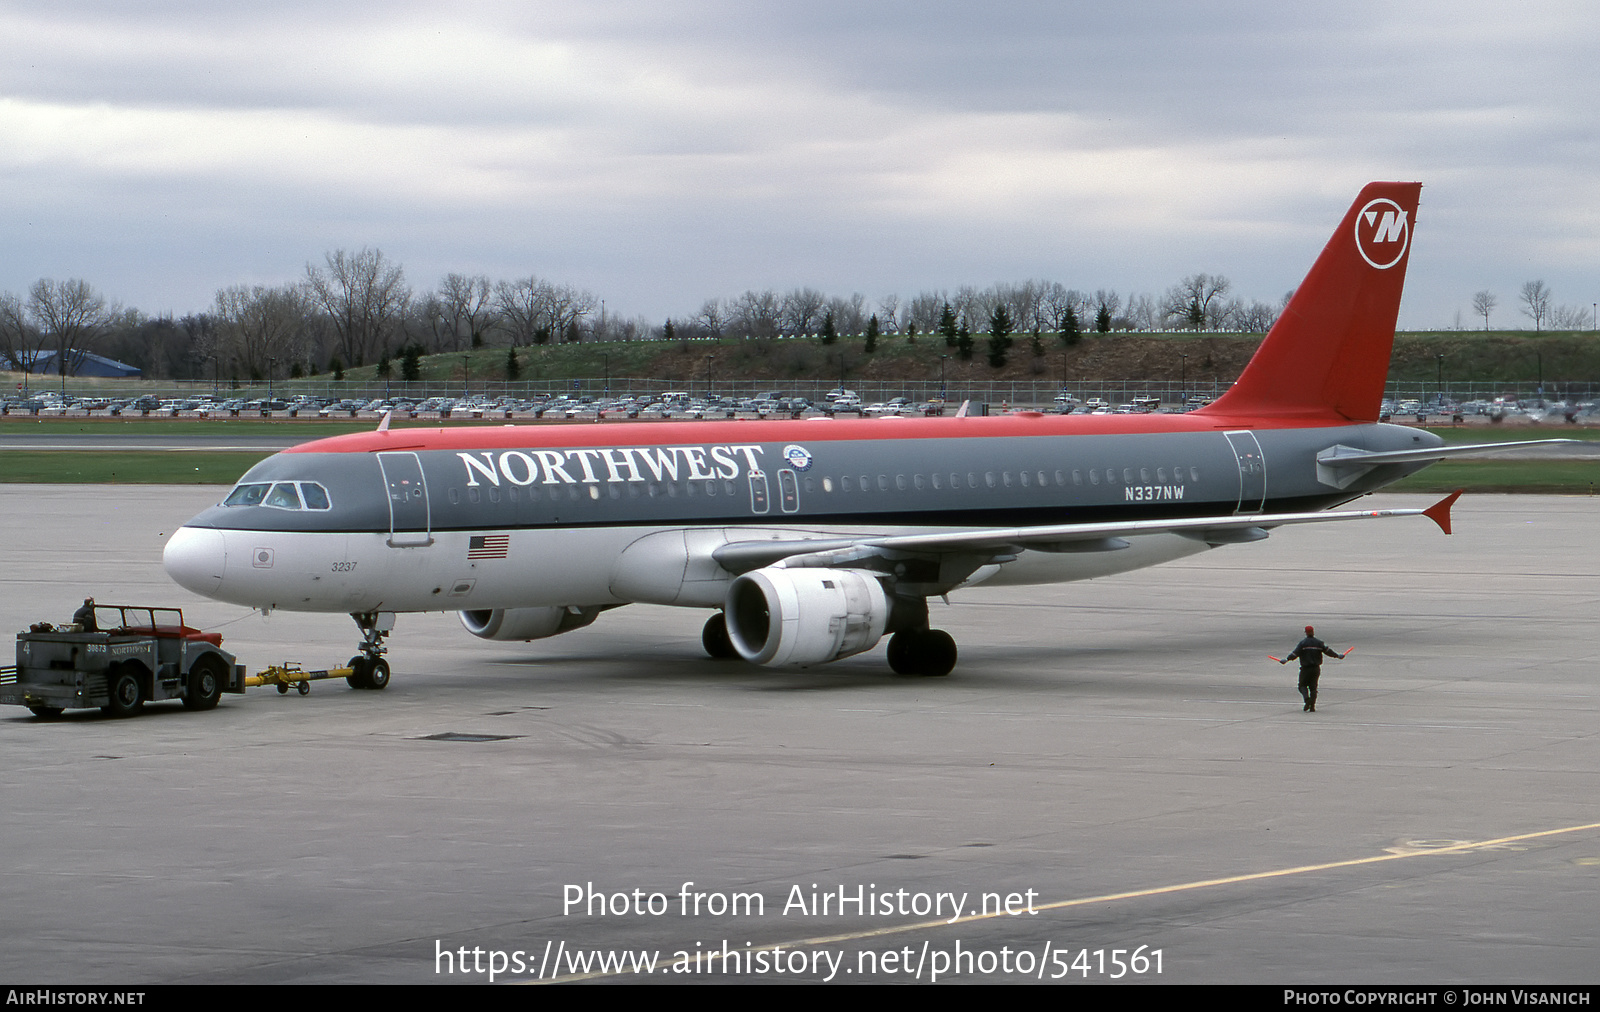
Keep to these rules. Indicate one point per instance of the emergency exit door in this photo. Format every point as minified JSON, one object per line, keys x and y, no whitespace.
{"x":1252,"y":471}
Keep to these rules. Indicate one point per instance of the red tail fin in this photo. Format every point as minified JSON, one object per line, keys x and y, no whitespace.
{"x":1328,"y":355}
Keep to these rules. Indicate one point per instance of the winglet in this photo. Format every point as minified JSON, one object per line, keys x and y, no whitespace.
{"x":383,"y":426}
{"x":1439,"y":512}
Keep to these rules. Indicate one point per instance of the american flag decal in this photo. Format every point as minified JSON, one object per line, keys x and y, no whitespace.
{"x":488,"y":546}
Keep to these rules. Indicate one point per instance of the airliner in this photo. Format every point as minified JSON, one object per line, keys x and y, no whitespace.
{"x":812,"y":540}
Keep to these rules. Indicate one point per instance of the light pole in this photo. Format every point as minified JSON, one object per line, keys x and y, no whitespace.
{"x":1183,"y":374}
{"x":1440,"y":357}
{"x":606,"y":359}
{"x":466,"y":362}
{"x":943,"y":396}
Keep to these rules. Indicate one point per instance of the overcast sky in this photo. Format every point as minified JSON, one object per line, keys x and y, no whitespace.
{"x":661,"y":153}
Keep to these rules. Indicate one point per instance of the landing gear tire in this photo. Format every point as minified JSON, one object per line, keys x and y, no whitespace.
{"x":714,"y":638}
{"x":900,"y":653}
{"x":204,"y":690}
{"x":928,"y":652}
{"x":378,"y":674}
{"x":358,"y":673}
{"x":46,"y":712}
{"x":127,"y":695}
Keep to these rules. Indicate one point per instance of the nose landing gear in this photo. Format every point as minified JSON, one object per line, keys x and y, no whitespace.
{"x":368,"y":668}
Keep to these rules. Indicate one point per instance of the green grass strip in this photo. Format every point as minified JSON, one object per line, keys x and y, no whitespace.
{"x":140,"y":467}
{"x":1553,"y":477}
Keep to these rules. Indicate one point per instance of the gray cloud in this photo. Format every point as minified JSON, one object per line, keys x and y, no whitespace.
{"x":660,"y":154}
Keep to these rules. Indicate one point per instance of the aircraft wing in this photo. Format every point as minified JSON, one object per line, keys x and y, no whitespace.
{"x":1003,"y":544}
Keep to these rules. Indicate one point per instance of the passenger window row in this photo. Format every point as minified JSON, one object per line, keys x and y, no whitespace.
{"x":1010,"y":479}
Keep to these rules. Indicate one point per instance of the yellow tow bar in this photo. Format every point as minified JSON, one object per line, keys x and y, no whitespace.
{"x":291,"y":673}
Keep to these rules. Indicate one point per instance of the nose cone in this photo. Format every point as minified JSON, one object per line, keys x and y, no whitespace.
{"x":194,"y":559}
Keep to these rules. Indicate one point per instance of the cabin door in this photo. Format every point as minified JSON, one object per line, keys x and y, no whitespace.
{"x":409,"y":520}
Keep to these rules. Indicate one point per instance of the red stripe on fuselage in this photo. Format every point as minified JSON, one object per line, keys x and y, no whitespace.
{"x":476,"y":437}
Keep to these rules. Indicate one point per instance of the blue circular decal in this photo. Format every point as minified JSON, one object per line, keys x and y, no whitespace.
{"x":798,"y":457}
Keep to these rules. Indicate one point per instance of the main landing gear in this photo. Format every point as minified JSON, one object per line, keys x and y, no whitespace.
{"x":714,"y":638}
{"x":368,"y":668}
{"x":922,"y":652}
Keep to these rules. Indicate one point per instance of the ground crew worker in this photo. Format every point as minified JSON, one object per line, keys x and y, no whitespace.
{"x":83,"y":618}
{"x":1310,"y":652}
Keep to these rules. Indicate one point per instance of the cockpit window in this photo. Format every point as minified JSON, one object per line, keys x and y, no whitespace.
{"x":247,"y":495}
{"x":284,"y":495}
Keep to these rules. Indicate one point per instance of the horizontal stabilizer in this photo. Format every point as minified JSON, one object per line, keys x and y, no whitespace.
{"x":1345,"y":456}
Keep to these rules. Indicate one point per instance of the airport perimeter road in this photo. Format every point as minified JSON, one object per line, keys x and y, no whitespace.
{"x":1127,"y":736}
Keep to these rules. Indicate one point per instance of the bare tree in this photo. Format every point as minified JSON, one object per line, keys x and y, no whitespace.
{"x":925,"y":309}
{"x":1536,"y":303}
{"x":258,"y":324}
{"x":1569,"y":318}
{"x":568,"y":308}
{"x":801,"y":310}
{"x":1483,"y":304}
{"x":1256,"y":318}
{"x":465,"y":305}
{"x":713,"y":317}
{"x":526,"y":309}
{"x":71,"y":315}
{"x":889,"y":312}
{"x":1142,"y":313}
{"x":1198,"y":301}
{"x":20,"y":340}
{"x":849,"y":315}
{"x":364,"y":295}
{"x":755,"y":314}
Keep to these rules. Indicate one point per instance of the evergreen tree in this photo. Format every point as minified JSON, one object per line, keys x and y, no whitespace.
{"x":999,"y":336}
{"x":829,"y":333}
{"x":668,"y":331}
{"x":947,"y":325}
{"x":963,"y":343}
{"x":1071,"y":332}
{"x":1102,"y":319}
{"x":411,"y":363}
{"x":336,"y":366}
{"x":384,"y":369}
{"x":1035,"y":345}
{"x":513,"y":367}
{"x":872,"y":335}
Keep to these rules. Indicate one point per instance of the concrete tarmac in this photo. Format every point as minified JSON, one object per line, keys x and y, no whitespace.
{"x":1120,"y":755}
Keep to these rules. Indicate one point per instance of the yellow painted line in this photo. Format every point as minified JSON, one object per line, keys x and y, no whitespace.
{"x":1304,"y":869}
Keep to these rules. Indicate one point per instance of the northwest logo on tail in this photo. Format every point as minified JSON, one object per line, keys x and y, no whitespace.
{"x":1382,"y":233}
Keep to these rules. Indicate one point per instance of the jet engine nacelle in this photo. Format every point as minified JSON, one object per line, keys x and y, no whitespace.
{"x":805,"y":616}
{"x":526,"y":623}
